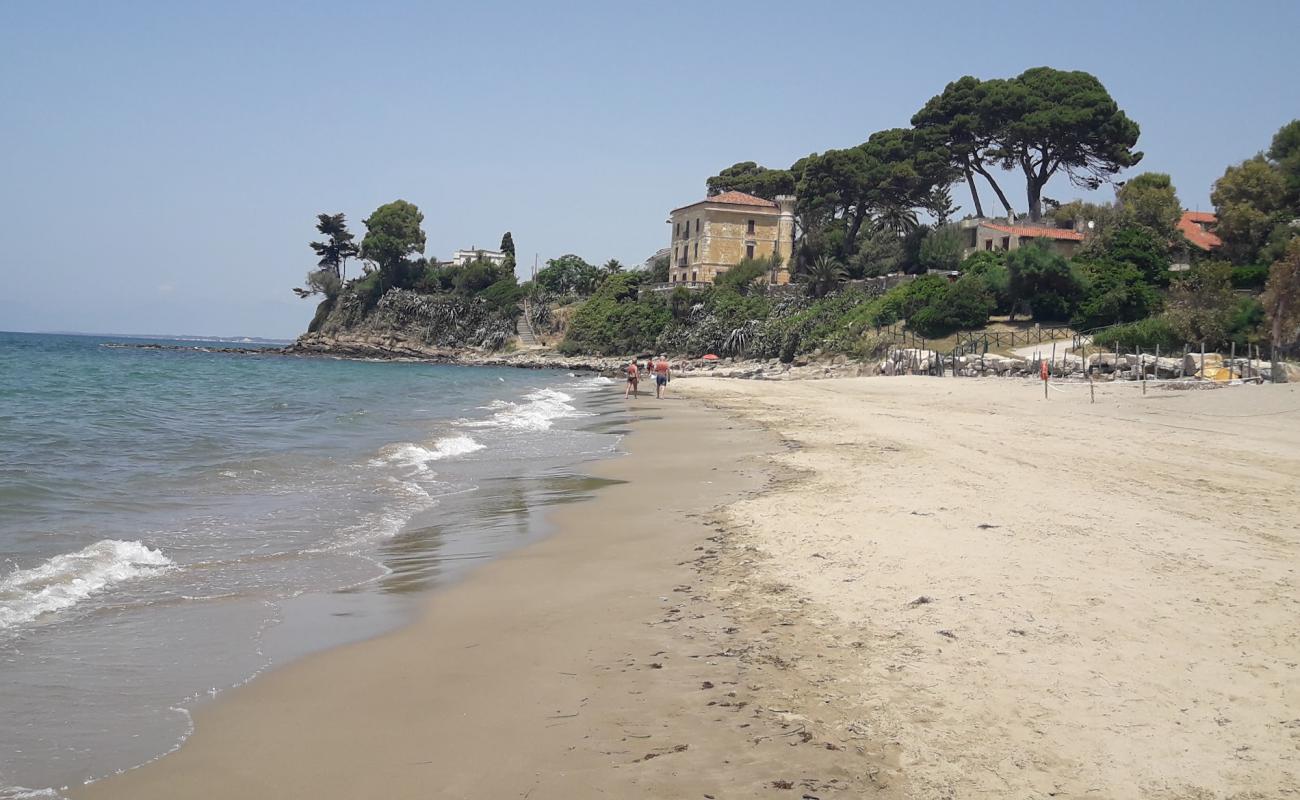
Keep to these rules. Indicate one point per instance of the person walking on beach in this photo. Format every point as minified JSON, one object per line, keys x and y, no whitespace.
{"x":662,"y":374}
{"x":632,"y":376}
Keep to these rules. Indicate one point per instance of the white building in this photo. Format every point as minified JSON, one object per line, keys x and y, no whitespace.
{"x":462,"y":257}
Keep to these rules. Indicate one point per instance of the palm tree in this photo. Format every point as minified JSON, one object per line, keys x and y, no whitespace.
{"x":613,"y":267}
{"x":899,"y":219}
{"x":825,"y":275}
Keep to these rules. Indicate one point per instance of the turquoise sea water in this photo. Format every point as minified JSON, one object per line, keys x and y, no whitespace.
{"x":172,"y":522}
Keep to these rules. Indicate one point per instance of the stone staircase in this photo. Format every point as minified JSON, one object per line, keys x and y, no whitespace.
{"x":524,"y":329}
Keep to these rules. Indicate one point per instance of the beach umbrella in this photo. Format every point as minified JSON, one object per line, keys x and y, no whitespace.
{"x":710,"y":357}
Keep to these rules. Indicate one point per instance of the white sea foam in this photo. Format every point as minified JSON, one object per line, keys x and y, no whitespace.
{"x":65,"y":580}
{"x":538,"y":413}
{"x":407,"y":454}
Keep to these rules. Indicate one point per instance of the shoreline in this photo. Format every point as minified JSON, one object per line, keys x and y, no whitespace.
{"x":585,"y":662}
{"x":842,"y":592}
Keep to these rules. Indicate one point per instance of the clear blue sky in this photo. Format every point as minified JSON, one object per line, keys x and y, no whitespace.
{"x":161,"y":163}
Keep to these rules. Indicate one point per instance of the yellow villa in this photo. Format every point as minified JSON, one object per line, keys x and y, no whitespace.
{"x":715,"y":234}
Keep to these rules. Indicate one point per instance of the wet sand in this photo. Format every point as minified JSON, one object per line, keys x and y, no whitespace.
{"x":592,"y":663}
{"x":885,"y":587}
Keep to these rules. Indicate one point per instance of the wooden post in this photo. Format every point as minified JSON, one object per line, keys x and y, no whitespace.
{"x":1142,"y":371}
{"x":1052,"y":365}
{"x":1182,"y":370}
{"x":1232,"y":360}
{"x":1202,"y":360}
{"x":1155,"y":371}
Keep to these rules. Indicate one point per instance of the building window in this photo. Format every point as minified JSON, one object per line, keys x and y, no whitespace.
{"x":695,"y":276}
{"x":749,"y":249}
{"x":697,"y":251}
{"x":697,"y":226}
{"x":988,"y":244}
{"x":1006,"y":242}
{"x":677,"y":231}
{"x":750,"y":228}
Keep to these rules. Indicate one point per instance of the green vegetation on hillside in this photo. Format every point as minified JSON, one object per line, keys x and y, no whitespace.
{"x":882,"y":207}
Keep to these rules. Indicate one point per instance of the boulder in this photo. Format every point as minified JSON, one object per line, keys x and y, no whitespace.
{"x":1192,"y":363}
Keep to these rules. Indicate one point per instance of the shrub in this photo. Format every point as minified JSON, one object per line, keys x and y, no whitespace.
{"x":476,"y":276}
{"x":1113,"y":292}
{"x":1252,"y":277}
{"x":505,"y":295}
{"x":962,"y":305}
{"x":1042,"y":279}
{"x":614,"y":321}
{"x":368,"y":289}
{"x":1146,"y":334}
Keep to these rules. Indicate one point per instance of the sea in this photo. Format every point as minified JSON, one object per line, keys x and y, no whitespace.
{"x":174,"y":520}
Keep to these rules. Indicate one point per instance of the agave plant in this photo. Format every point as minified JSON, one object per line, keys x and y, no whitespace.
{"x":739,"y":340}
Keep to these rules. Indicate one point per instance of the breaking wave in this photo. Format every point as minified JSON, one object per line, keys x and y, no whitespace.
{"x":413,"y":455}
{"x":67,"y":579}
{"x":539,"y":411}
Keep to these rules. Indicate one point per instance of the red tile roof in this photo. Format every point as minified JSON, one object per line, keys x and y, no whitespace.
{"x":734,"y":199}
{"x":1035,"y":232}
{"x":741,"y":199}
{"x":1190,"y":225}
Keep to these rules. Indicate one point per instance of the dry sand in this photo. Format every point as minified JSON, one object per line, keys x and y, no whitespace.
{"x":920,"y":587}
{"x":1033,"y":598}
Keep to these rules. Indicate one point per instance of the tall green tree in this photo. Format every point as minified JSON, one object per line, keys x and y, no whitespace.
{"x":942,"y":248}
{"x":508,"y":244}
{"x":886,"y":178}
{"x":1250,"y":202}
{"x":338,"y":246}
{"x":750,"y":178}
{"x":659,"y":269}
{"x":568,"y":274}
{"x":1150,"y":200}
{"x":1053,"y":122}
{"x":965,"y":124}
{"x":612,"y":267}
{"x":1285,"y":153}
{"x":393,"y":236}
{"x":1282,"y":300}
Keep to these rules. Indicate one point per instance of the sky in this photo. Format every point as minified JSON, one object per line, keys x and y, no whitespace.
{"x":162,"y":163}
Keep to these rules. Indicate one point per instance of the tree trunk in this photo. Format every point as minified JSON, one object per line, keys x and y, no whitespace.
{"x":996,"y":189}
{"x":1274,"y":361}
{"x":854,"y":226}
{"x":974,"y":192}
{"x":1035,"y":187}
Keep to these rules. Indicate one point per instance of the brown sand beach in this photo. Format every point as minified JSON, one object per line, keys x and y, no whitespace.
{"x":903,"y":587}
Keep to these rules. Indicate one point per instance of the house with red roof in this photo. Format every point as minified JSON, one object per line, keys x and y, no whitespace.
{"x":714,"y":234}
{"x":1198,"y":228}
{"x":1001,"y":235}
